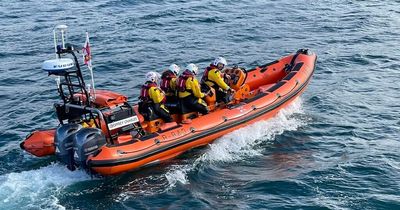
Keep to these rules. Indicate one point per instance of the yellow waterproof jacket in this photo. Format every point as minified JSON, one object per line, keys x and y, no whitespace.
{"x":214,"y":77}
{"x":192,"y":87}
{"x":172,"y":85}
{"x":156,"y":94}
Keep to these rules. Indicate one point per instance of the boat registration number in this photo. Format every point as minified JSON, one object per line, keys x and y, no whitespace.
{"x":123,"y":122}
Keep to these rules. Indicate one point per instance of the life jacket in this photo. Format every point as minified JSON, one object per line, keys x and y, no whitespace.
{"x":166,"y":80}
{"x":144,"y":92}
{"x":205,"y":75}
{"x":181,"y":83}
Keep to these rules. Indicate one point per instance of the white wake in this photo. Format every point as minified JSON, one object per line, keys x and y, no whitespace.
{"x":241,"y":143}
{"x":37,"y":189}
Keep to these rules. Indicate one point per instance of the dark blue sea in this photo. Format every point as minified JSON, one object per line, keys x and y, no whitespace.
{"x":336,"y":147}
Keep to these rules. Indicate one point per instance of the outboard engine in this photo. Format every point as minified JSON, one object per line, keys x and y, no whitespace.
{"x":63,"y":141}
{"x":87,"y":141}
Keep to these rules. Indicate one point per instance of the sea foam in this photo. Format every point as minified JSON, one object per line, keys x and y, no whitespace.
{"x":37,"y":189}
{"x":241,"y":143}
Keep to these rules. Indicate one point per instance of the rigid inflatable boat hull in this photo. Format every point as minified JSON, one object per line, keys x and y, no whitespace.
{"x":118,"y":159}
{"x":266,"y":90}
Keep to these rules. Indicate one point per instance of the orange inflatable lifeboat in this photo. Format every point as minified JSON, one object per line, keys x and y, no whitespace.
{"x":108,"y":136}
{"x":99,"y":131}
{"x":262,"y":92}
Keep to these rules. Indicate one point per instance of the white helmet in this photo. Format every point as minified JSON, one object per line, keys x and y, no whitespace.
{"x":193,"y":68}
{"x":174,"y":68}
{"x":220,"y":60}
{"x":152,"y":76}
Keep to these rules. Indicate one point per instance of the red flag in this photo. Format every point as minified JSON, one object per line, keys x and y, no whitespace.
{"x":87,"y":55}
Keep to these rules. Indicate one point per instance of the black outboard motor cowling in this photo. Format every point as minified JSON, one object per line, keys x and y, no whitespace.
{"x":87,"y":141}
{"x":63,"y":141}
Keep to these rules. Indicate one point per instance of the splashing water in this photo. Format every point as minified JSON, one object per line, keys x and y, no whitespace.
{"x":241,"y":143}
{"x":40,"y":188}
{"x":37,"y":188}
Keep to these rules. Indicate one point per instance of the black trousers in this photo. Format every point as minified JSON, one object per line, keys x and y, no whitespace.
{"x":161,"y":112}
{"x":222,"y":96}
{"x":172,"y":104}
{"x":191,"y":104}
{"x":152,"y":111}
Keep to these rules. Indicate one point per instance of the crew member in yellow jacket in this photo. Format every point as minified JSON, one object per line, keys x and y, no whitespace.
{"x":213,"y":79}
{"x":152,"y":99}
{"x":168,"y":85}
{"x":190,"y":93}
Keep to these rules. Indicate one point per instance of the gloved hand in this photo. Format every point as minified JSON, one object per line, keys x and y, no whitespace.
{"x":231,"y":91}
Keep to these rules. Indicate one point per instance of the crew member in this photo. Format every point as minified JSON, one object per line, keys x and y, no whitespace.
{"x":212,"y":78}
{"x":190,"y":93}
{"x":168,"y":85}
{"x":152,"y":99}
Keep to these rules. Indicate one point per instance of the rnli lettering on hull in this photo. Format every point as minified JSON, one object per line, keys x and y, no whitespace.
{"x":122,"y":123}
{"x":175,"y":134}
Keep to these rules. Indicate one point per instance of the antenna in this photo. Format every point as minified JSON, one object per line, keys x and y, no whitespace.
{"x":59,"y":33}
{"x":59,"y":65}
{"x":66,"y":67}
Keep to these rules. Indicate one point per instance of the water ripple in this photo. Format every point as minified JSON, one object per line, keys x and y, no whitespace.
{"x":340,"y":152}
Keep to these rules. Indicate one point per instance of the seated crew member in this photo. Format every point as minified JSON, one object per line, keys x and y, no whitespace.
{"x":168,"y":85}
{"x":190,"y":93}
{"x":212,"y":78}
{"x":152,"y":99}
